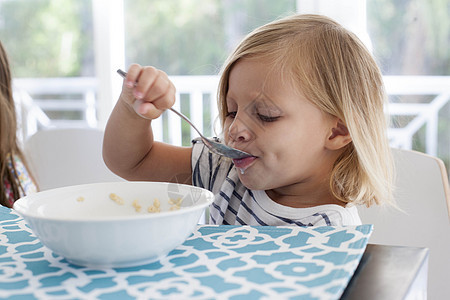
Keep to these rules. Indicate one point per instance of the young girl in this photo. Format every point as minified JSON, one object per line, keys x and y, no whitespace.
{"x":304,"y":97}
{"x":15,"y":179}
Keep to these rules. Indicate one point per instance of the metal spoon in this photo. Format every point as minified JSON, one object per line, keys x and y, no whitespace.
{"x":214,"y":145}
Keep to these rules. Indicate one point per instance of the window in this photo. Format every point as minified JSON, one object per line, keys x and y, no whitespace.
{"x":409,"y":38}
{"x":193,"y":37}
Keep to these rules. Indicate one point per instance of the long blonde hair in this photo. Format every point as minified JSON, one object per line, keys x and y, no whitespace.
{"x":9,"y":147}
{"x":338,"y":74}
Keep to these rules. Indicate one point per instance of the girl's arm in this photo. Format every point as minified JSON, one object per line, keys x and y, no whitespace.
{"x":128,"y":146}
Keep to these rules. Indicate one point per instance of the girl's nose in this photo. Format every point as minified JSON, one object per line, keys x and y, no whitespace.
{"x":239,"y":131}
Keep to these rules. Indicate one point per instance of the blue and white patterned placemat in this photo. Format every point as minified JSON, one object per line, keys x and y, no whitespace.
{"x":215,"y":262}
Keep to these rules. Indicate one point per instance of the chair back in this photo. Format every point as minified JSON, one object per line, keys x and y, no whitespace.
{"x":423,"y":196}
{"x":69,"y":156}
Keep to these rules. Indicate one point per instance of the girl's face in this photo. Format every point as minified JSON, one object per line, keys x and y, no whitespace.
{"x":286,"y":133}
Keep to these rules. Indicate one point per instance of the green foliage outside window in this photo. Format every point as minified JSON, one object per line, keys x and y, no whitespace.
{"x":47,"y":38}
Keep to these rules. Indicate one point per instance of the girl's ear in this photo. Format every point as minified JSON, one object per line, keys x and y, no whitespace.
{"x":339,"y":136}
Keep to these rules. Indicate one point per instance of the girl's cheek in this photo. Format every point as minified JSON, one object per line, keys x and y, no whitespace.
{"x":226,"y":128}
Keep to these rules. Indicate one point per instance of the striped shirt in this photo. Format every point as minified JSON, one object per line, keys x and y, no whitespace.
{"x":234,"y":204}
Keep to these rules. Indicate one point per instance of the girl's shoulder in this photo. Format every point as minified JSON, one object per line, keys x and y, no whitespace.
{"x":328,"y":214}
{"x":347,"y":215}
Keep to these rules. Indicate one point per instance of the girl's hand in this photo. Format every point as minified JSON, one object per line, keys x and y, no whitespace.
{"x":148,"y":91}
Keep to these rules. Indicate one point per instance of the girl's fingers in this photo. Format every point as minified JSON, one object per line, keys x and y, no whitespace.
{"x":163,"y":93}
{"x":149,"y":91}
{"x":161,"y":89}
{"x":132,"y":76}
{"x":146,"y":109}
{"x":153,"y":84}
{"x":144,"y":82}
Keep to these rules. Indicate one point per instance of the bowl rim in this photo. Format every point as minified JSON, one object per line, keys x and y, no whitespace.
{"x":20,"y":208}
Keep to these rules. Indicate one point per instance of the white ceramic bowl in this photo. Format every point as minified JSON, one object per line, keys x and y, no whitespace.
{"x":83,"y":224}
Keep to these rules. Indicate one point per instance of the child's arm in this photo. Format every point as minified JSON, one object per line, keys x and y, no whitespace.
{"x":128,"y":146}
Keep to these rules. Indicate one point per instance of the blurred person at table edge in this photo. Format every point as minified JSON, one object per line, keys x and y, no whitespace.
{"x":15,"y":177}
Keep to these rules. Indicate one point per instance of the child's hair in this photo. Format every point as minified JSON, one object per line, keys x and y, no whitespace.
{"x":9,"y":147}
{"x":337,"y":73}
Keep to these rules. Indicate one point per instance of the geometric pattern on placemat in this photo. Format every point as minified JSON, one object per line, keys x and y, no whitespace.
{"x":215,"y":262}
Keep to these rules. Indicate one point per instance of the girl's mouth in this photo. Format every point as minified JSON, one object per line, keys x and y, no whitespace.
{"x":243,"y":163}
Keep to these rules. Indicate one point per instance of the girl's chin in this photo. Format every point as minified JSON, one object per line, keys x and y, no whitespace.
{"x":249,"y":180}
{"x":249,"y":185}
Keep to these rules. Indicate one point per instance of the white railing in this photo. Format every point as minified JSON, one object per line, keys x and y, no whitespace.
{"x":43,"y":101}
{"x":199,"y":95}
{"x":196,"y":97}
{"x":423,"y":114}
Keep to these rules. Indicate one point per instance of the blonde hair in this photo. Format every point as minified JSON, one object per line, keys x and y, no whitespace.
{"x":337,"y":73}
{"x":9,"y":147}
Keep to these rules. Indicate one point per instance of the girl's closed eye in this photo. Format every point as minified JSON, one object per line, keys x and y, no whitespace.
{"x":267,"y":119}
{"x":261,"y":117}
{"x":266,"y":111}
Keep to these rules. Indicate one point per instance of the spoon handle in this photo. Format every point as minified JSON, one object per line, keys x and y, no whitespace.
{"x":187,"y":120}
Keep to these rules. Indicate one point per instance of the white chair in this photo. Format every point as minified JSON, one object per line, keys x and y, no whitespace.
{"x":63,"y":157}
{"x":422,"y":193}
